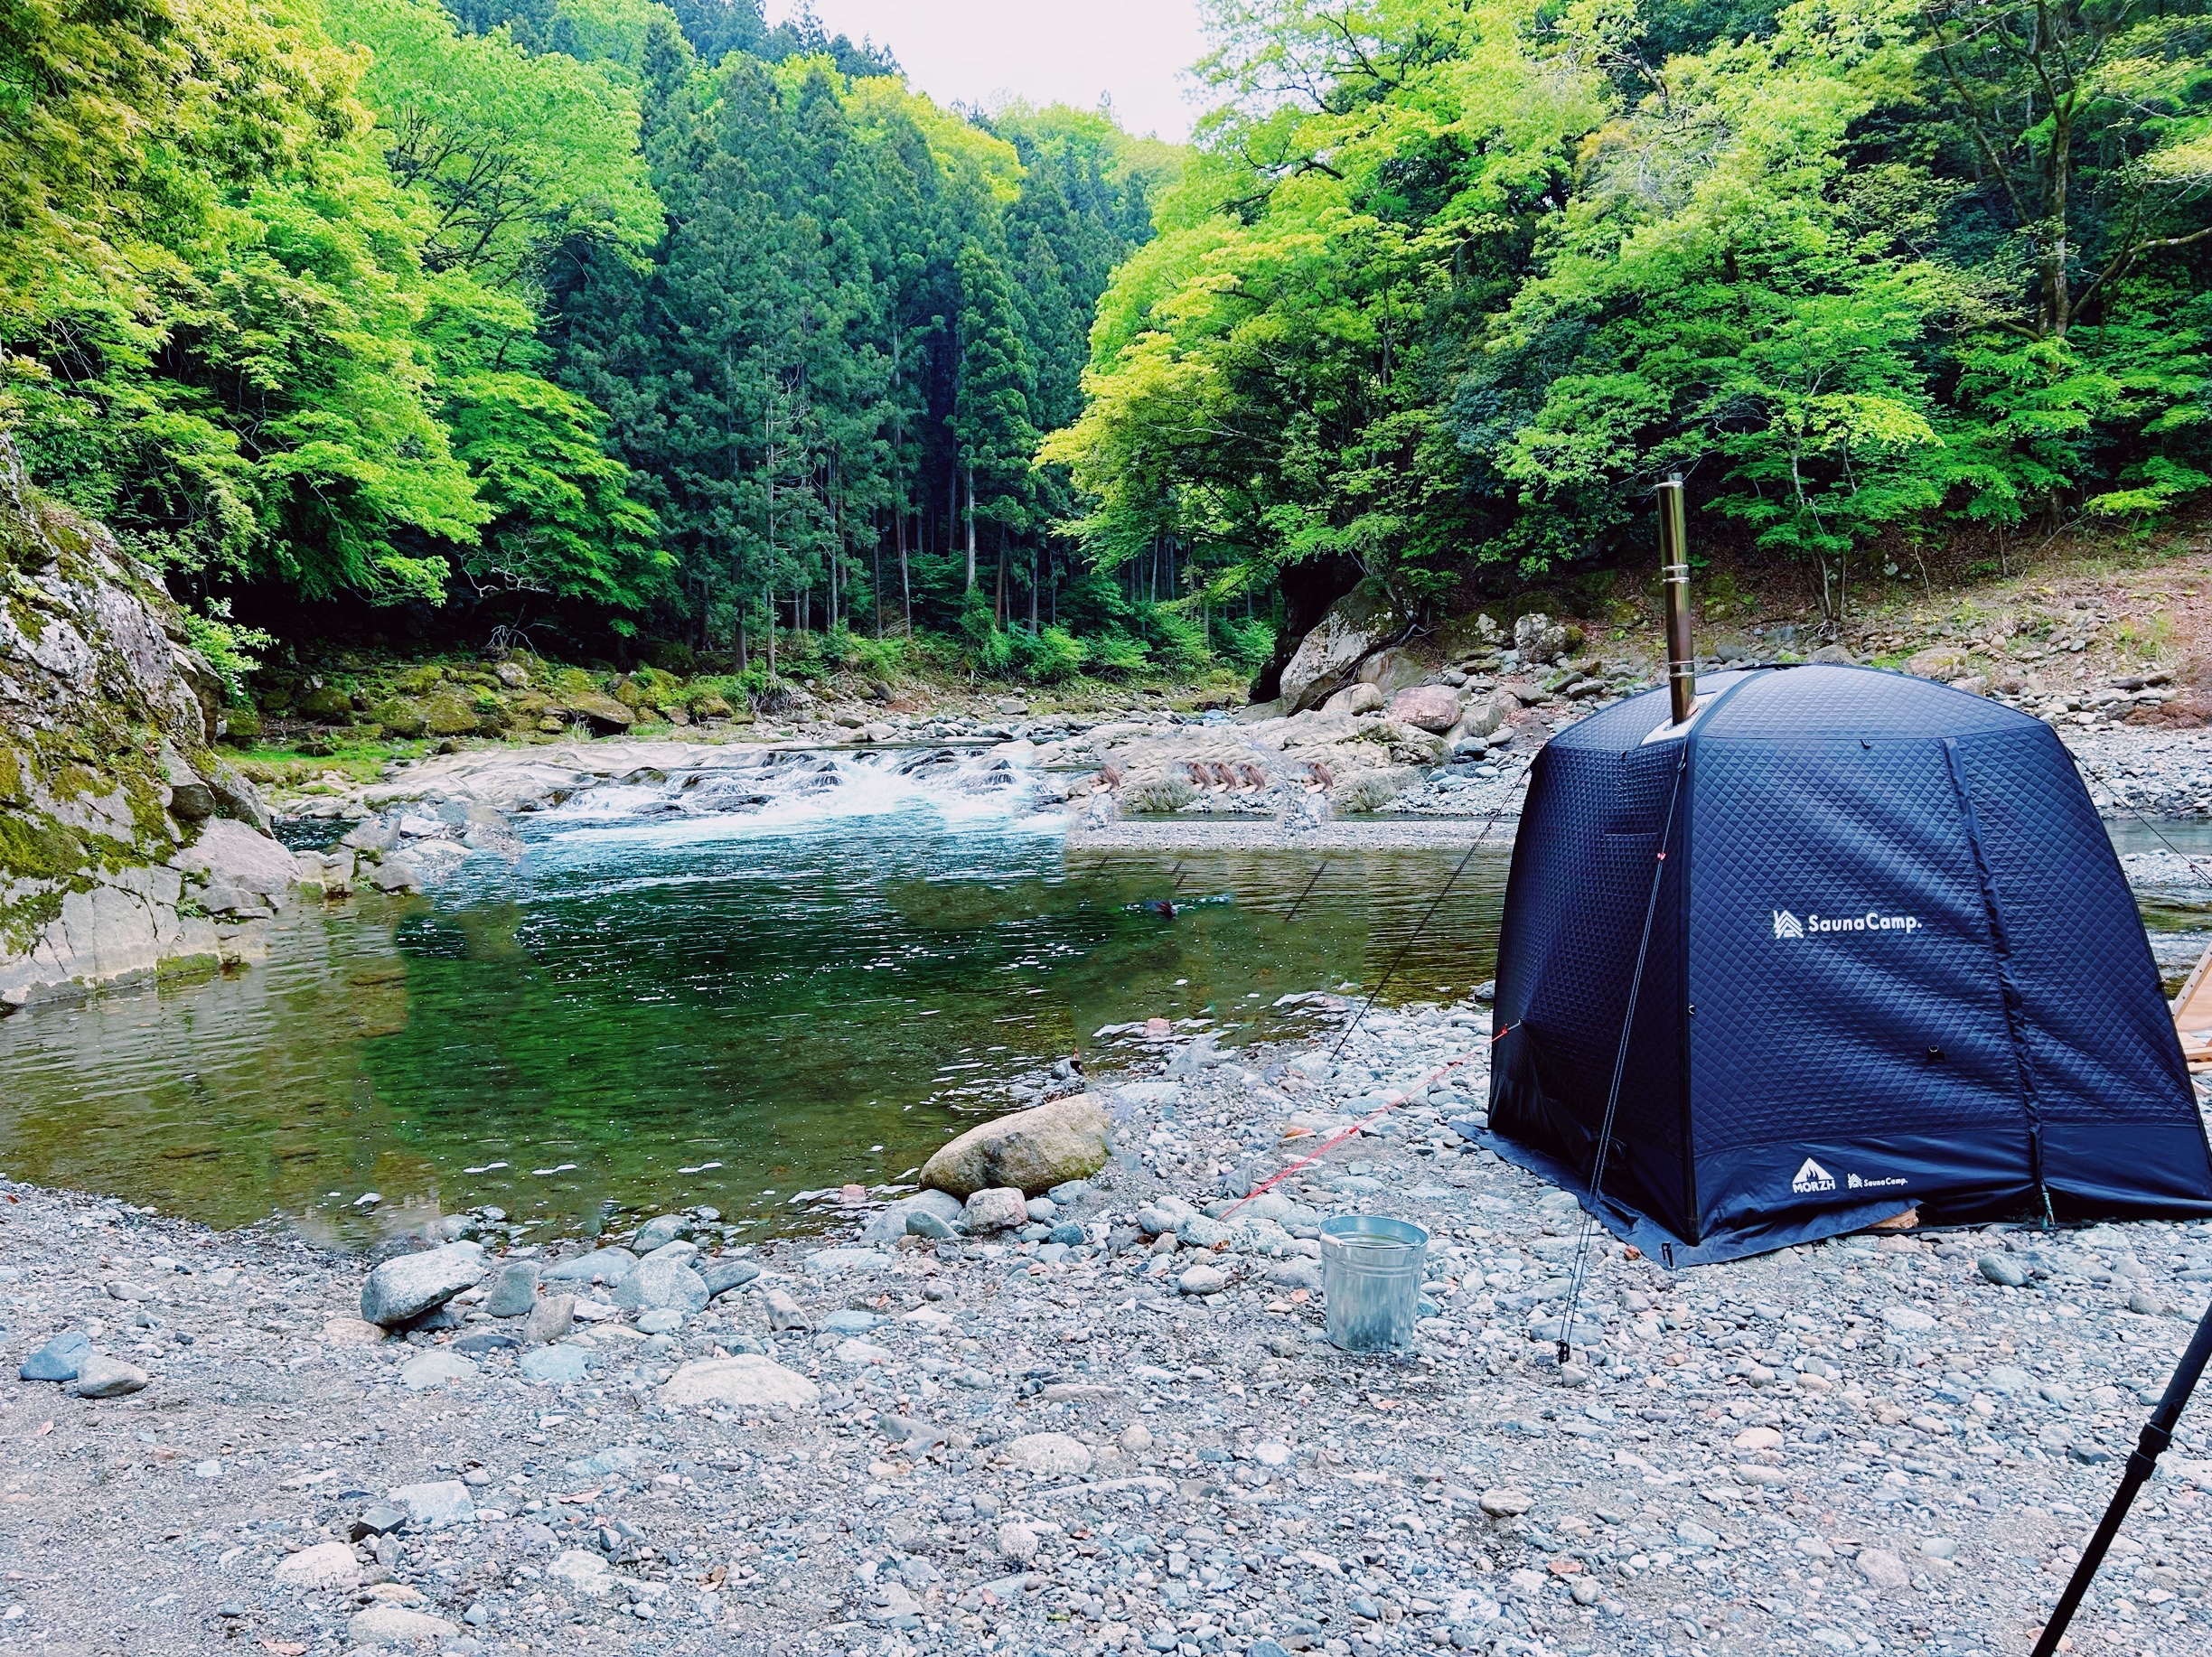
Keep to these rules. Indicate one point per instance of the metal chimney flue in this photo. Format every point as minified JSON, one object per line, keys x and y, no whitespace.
{"x":1674,"y":581}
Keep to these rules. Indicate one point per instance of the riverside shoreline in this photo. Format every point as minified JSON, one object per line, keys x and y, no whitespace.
{"x":1139,"y":1443}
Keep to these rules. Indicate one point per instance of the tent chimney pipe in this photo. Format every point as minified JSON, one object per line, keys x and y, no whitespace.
{"x":1675,"y":579}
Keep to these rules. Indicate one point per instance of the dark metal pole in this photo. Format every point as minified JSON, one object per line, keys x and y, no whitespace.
{"x":1675,"y":579}
{"x":2156,"y":1436}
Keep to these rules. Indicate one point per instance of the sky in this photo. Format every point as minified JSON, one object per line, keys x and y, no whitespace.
{"x":1069,"y":52}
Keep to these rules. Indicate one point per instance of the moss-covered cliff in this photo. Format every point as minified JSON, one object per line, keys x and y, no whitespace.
{"x":105,"y":774}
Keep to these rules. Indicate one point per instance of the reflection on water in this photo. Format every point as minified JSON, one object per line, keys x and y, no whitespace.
{"x":658,"y":1011}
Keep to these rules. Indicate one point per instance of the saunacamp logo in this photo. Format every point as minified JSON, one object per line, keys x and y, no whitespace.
{"x":1787,"y":925}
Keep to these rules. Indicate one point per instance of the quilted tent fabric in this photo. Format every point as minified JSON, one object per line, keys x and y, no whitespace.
{"x":1892,"y":962}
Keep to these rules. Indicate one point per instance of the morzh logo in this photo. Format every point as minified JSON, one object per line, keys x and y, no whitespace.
{"x":1787,"y":925}
{"x":1812,"y":1178}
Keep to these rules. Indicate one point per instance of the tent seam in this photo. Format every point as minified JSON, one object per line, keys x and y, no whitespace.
{"x":2000,"y":949}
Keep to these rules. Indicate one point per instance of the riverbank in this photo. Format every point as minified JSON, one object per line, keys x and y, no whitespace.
{"x":1132,"y":1443}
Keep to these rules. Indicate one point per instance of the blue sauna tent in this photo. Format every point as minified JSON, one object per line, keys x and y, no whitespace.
{"x":1893,"y":962}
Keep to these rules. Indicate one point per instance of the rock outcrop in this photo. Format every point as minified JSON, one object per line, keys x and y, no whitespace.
{"x":1360,"y":622}
{"x":106,"y":779}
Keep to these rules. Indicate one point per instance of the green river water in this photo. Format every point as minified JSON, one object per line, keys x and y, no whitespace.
{"x":646,"y":1013}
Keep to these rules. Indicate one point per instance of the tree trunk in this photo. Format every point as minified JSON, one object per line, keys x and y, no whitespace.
{"x":1032,"y":592}
{"x":906,"y":579}
{"x":971,"y":544}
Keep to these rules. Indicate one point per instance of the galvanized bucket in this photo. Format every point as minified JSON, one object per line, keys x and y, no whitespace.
{"x":1372,"y":1270}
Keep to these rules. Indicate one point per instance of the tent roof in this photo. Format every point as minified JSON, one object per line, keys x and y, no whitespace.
{"x":1815,"y":702}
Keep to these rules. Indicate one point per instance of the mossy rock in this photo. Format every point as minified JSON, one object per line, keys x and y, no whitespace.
{"x":450,"y":711}
{"x":604,"y":713}
{"x":712,"y":706}
{"x":241,"y":723}
{"x":327,"y":703}
{"x":401,"y":719}
{"x":421,"y":680}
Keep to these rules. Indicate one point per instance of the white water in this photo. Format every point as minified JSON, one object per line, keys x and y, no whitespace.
{"x":798,"y":793}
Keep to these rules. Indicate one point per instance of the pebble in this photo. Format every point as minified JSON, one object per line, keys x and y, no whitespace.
{"x":2001,"y":1271}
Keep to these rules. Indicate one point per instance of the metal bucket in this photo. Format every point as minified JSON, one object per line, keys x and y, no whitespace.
{"x":1371,"y":1271}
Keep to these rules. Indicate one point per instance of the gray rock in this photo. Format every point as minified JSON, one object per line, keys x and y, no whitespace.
{"x":100,"y":1376}
{"x":60,"y":1358}
{"x":659,"y":1320}
{"x":722,"y":1277}
{"x":396,"y":874}
{"x":550,"y":1319}
{"x":514,"y":1291}
{"x":1907,"y":1320}
{"x":396,"y":1626}
{"x":439,"y":1503}
{"x":661,"y":1283}
{"x":1203,"y":1280}
{"x":1042,"y":1210}
{"x":478,"y":1342}
{"x":1884,"y":1569}
{"x":401,"y":1290}
{"x":1070,"y":1191}
{"x":660,"y":1230}
{"x":436,"y":1368}
{"x":928,"y":1225}
{"x":553,"y":1366}
{"x":996,"y":1208}
{"x":849,"y":1320}
{"x":741,"y":1382}
{"x":784,"y":1313}
{"x":600,"y":1266}
{"x":894,"y":1220}
{"x":1295,"y":1273}
{"x":2001,"y":1271}
{"x":915,"y":1435}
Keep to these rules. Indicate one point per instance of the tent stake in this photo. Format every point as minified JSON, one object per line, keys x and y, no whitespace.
{"x":2156,"y":1434}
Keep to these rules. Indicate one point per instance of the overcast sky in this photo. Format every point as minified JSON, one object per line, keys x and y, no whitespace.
{"x":1068,"y":51}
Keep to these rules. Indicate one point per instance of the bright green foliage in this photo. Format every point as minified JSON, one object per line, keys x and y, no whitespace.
{"x":514,"y":156}
{"x":1454,"y":284}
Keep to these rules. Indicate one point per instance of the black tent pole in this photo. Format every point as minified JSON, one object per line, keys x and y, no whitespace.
{"x":2156,"y":1434}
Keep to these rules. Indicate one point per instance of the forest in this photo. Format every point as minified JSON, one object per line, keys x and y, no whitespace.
{"x":632,"y":332}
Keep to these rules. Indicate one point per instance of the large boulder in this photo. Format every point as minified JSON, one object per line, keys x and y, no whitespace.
{"x":1427,"y":708}
{"x":604,"y":713}
{"x":1032,"y":1150}
{"x":1394,"y":670}
{"x":230,"y":854}
{"x":402,"y":1289}
{"x":1538,"y":638}
{"x":1356,"y":625}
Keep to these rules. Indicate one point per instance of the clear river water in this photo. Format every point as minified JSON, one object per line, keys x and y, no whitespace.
{"x":670,"y":1002}
{"x":725,"y":997}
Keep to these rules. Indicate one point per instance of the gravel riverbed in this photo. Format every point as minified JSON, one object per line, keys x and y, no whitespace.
{"x":1119,"y":1428}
